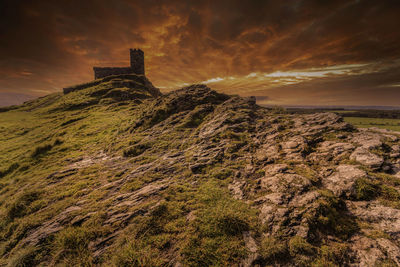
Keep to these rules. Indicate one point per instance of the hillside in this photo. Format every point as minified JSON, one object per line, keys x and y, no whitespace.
{"x":115,"y":174}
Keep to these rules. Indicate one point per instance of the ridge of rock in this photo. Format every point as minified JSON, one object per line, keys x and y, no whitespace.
{"x":194,"y":177}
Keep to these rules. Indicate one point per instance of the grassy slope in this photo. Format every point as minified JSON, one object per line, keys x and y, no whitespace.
{"x":45,"y":136}
{"x":35,"y":144}
{"x":195,"y":217}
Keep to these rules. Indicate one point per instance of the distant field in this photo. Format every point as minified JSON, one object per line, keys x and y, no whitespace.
{"x":343,"y":111}
{"x":390,"y":124}
{"x":362,"y":118}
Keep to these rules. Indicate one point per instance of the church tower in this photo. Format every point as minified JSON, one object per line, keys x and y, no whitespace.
{"x":137,"y":61}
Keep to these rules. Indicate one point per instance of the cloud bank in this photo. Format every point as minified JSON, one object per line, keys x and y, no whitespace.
{"x":295,"y":52}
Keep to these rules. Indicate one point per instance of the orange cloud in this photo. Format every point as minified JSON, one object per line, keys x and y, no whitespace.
{"x":221,"y":43}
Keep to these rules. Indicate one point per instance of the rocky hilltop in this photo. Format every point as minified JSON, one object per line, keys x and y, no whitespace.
{"x":115,"y":174}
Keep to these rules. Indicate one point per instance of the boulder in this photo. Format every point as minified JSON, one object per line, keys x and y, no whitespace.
{"x":365,"y":157}
{"x":343,"y":180}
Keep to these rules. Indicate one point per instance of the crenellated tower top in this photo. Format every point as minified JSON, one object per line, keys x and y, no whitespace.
{"x":137,"y":61}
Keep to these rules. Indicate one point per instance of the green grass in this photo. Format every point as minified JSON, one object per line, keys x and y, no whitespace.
{"x":39,"y":139}
{"x":22,"y":205}
{"x":273,"y":250}
{"x":379,"y":186}
{"x":86,"y":150}
{"x":24,"y":257}
{"x":365,"y":189}
{"x":389,"y":124}
{"x":215,"y":236}
{"x":342,"y":111}
{"x":331,"y":217}
{"x":71,"y":246}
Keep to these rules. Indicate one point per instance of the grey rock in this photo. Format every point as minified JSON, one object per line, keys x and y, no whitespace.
{"x":365,"y":157}
{"x":343,"y":180}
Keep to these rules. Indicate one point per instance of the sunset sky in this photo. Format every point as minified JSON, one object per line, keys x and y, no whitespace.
{"x":295,"y":52}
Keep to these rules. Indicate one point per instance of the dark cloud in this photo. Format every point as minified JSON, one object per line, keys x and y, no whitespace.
{"x":50,"y":44}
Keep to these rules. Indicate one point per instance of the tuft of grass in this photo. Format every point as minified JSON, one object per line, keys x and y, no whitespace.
{"x":231,"y":224}
{"x":71,"y":121}
{"x":159,"y":116}
{"x":132,"y":185}
{"x":273,"y":250}
{"x":40,"y":150}
{"x":24,"y":258}
{"x":221,"y":173}
{"x":382,"y":187}
{"x":298,"y":245}
{"x":136,"y":150}
{"x":148,"y":237}
{"x":9,"y":170}
{"x":22,"y":205}
{"x":229,"y":134}
{"x":136,"y":253}
{"x":390,"y":193}
{"x":333,"y":255}
{"x":155,"y":222}
{"x":71,"y":246}
{"x":196,"y":117}
{"x":72,"y":239}
{"x":306,"y":172}
{"x":331,"y":217}
{"x":301,"y":251}
{"x":215,"y":236}
{"x":57,"y":142}
{"x":43,"y":149}
{"x":365,"y":189}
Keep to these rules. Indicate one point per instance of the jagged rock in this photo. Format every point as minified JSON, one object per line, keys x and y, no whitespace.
{"x":50,"y":227}
{"x":330,"y":152}
{"x":335,"y":149}
{"x":391,"y":248}
{"x":370,"y":252}
{"x":268,"y":153}
{"x":286,"y":183}
{"x":207,"y":160}
{"x":395,"y":148}
{"x":252,"y":247}
{"x":365,"y":251}
{"x":274,"y":169}
{"x":343,"y":180}
{"x":294,"y":148}
{"x":367,"y":139}
{"x":236,"y":188}
{"x":386,"y":218}
{"x":362,"y":155}
{"x":312,"y":124}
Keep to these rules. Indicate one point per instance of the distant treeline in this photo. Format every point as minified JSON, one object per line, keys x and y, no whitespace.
{"x":367,"y":113}
{"x":383,"y":114}
{"x":308,"y":110}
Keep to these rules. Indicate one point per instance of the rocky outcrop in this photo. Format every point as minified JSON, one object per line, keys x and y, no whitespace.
{"x":363,"y":156}
{"x":343,"y":181}
{"x":200,"y":178}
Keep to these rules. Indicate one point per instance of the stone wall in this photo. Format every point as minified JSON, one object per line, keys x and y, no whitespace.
{"x":137,"y":66}
{"x":100,"y":72}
